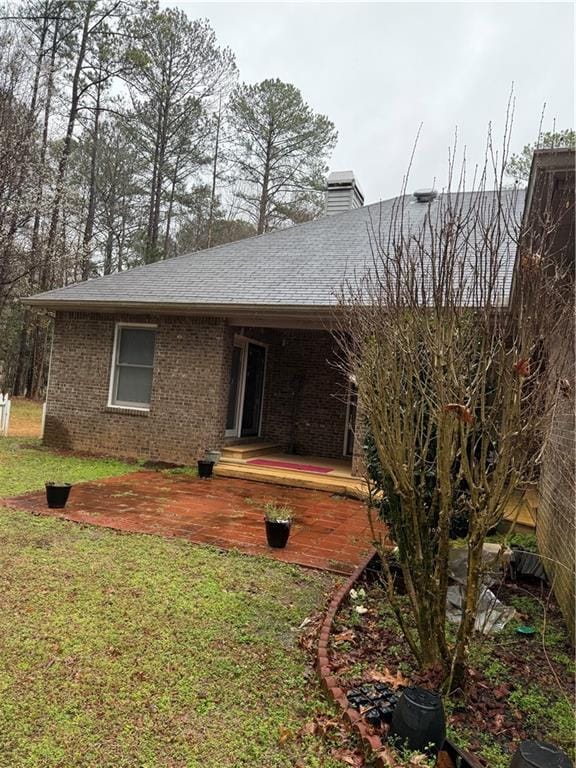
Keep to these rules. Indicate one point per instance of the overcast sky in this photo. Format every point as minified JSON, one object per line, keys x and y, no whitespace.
{"x":378,"y":70}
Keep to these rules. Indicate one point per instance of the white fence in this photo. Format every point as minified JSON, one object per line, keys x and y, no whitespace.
{"x":4,"y":414}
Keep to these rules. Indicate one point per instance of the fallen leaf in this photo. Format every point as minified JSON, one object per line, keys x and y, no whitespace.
{"x":309,"y":728}
{"x":444,"y":760}
{"x":344,"y":637}
{"x":396,"y":681}
{"x":348,"y":757}
{"x":498,"y":722}
{"x":284,"y":734}
{"x":387,"y":756}
{"x":501,"y":692}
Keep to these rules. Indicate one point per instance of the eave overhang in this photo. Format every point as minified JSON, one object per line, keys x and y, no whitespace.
{"x":318,"y":316}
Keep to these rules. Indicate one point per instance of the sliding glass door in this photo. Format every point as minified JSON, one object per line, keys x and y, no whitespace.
{"x":245,"y":396}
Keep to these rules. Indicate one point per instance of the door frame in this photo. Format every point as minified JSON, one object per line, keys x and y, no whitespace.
{"x":242,"y":342}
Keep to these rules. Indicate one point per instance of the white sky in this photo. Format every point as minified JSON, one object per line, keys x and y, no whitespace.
{"x":378,"y":70}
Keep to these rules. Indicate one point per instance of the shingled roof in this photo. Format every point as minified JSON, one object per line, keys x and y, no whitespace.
{"x":296,"y":269}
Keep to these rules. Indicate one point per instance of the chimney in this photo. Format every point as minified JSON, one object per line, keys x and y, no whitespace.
{"x":343,"y":193}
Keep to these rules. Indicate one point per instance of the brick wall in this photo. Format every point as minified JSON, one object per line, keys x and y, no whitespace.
{"x":189,"y":389}
{"x":304,"y":396}
{"x":305,"y":393}
{"x":556,"y":528}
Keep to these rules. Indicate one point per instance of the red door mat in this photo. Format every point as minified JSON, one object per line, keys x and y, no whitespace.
{"x":290,"y":465}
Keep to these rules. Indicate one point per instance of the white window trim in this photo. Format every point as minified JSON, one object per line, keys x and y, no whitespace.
{"x":126,"y":406}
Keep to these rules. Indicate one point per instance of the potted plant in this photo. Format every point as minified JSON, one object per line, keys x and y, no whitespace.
{"x":278,"y":520}
{"x":213,"y":456}
{"x":205,"y":467}
{"x":57,"y":494}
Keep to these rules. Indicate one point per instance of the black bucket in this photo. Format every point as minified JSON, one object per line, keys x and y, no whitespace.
{"x":57,"y":495}
{"x":277,"y":532}
{"x":539,"y":754}
{"x":205,"y":468}
{"x":418,"y":722}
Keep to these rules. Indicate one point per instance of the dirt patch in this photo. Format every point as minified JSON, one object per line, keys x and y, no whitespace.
{"x":25,"y":418}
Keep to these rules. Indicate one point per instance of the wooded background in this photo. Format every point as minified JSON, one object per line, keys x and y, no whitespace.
{"x":125,"y":138}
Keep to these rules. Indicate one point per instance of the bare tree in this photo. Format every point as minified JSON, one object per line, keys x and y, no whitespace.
{"x":447,"y":346}
{"x":177,"y":69}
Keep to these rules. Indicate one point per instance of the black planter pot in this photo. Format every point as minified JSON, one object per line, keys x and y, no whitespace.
{"x":460,"y":757}
{"x":539,"y":754}
{"x":57,"y":495}
{"x":277,"y":532}
{"x":526,"y":564}
{"x":418,"y":721}
{"x":205,"y":468}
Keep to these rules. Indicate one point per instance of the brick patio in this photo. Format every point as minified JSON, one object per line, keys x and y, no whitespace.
{"x":329,"y":532}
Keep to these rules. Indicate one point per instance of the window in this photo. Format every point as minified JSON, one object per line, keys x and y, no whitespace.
{"x":133,"y":363}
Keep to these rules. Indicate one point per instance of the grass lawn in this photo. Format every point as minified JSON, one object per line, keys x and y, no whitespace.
{"x":135,"y":651}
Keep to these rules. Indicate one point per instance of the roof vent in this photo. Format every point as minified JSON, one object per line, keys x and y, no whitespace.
{"x":425,"y":195}
{"x":343,"y":193}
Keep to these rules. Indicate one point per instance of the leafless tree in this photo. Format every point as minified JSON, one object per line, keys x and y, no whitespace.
{"x":447,"y":344}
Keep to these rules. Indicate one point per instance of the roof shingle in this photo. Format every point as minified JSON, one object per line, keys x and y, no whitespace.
{"x":302,"y":266}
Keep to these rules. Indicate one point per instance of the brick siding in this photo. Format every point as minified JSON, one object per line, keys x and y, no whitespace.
{"x":556,"y":528}
{"x":189,"y":389}
{"x":304,"y":397}
{"x":305,"y":392}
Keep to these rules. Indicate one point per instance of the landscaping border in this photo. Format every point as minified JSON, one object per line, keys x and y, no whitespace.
{"x":372,"y":743}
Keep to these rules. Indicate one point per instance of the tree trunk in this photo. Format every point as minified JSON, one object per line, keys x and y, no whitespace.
{"x":108,"y":249}
{"x":170,"y":208}
{"x":264,"y":202}
{"x":458,"y":675}
{"x":148,"y":255}
{"x":35,"y":255}
{"x":67,"y":147}
{"x":214,"y":174}
{"x":91,"y":214}
{"x":155,"y":229}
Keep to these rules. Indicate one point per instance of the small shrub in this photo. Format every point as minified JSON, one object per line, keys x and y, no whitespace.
{"x":280,"y":513}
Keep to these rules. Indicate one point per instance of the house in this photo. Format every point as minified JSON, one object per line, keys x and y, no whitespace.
{"x":233,"y":343}
{"x":551,"y":189}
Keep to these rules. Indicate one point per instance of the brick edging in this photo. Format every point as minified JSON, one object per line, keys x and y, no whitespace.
{"x":372,"y":743}
{"x":328,"y":680}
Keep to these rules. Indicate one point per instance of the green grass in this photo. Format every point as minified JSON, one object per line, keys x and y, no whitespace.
{"x":25,"y":466}
{"x":132,"y":651}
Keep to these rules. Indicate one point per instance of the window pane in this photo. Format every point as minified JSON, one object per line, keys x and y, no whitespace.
{"x":134,"y":385}
{"x":136,"y":346}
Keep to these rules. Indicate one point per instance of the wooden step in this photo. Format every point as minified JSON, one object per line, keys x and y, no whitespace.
{"x":247,"y":450}
{"x":346,"y":486}
{"x":521,"y":512}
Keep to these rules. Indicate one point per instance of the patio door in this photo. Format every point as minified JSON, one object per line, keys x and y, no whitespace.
{"x":245,"y":396}
{"x":351,"y":409}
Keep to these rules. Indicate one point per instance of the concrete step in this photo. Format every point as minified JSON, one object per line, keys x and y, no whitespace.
{"x":247,"y":450}
{"x":331,"y":484}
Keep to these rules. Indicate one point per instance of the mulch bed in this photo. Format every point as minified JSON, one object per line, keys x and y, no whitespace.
{"x":367,"y":647}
